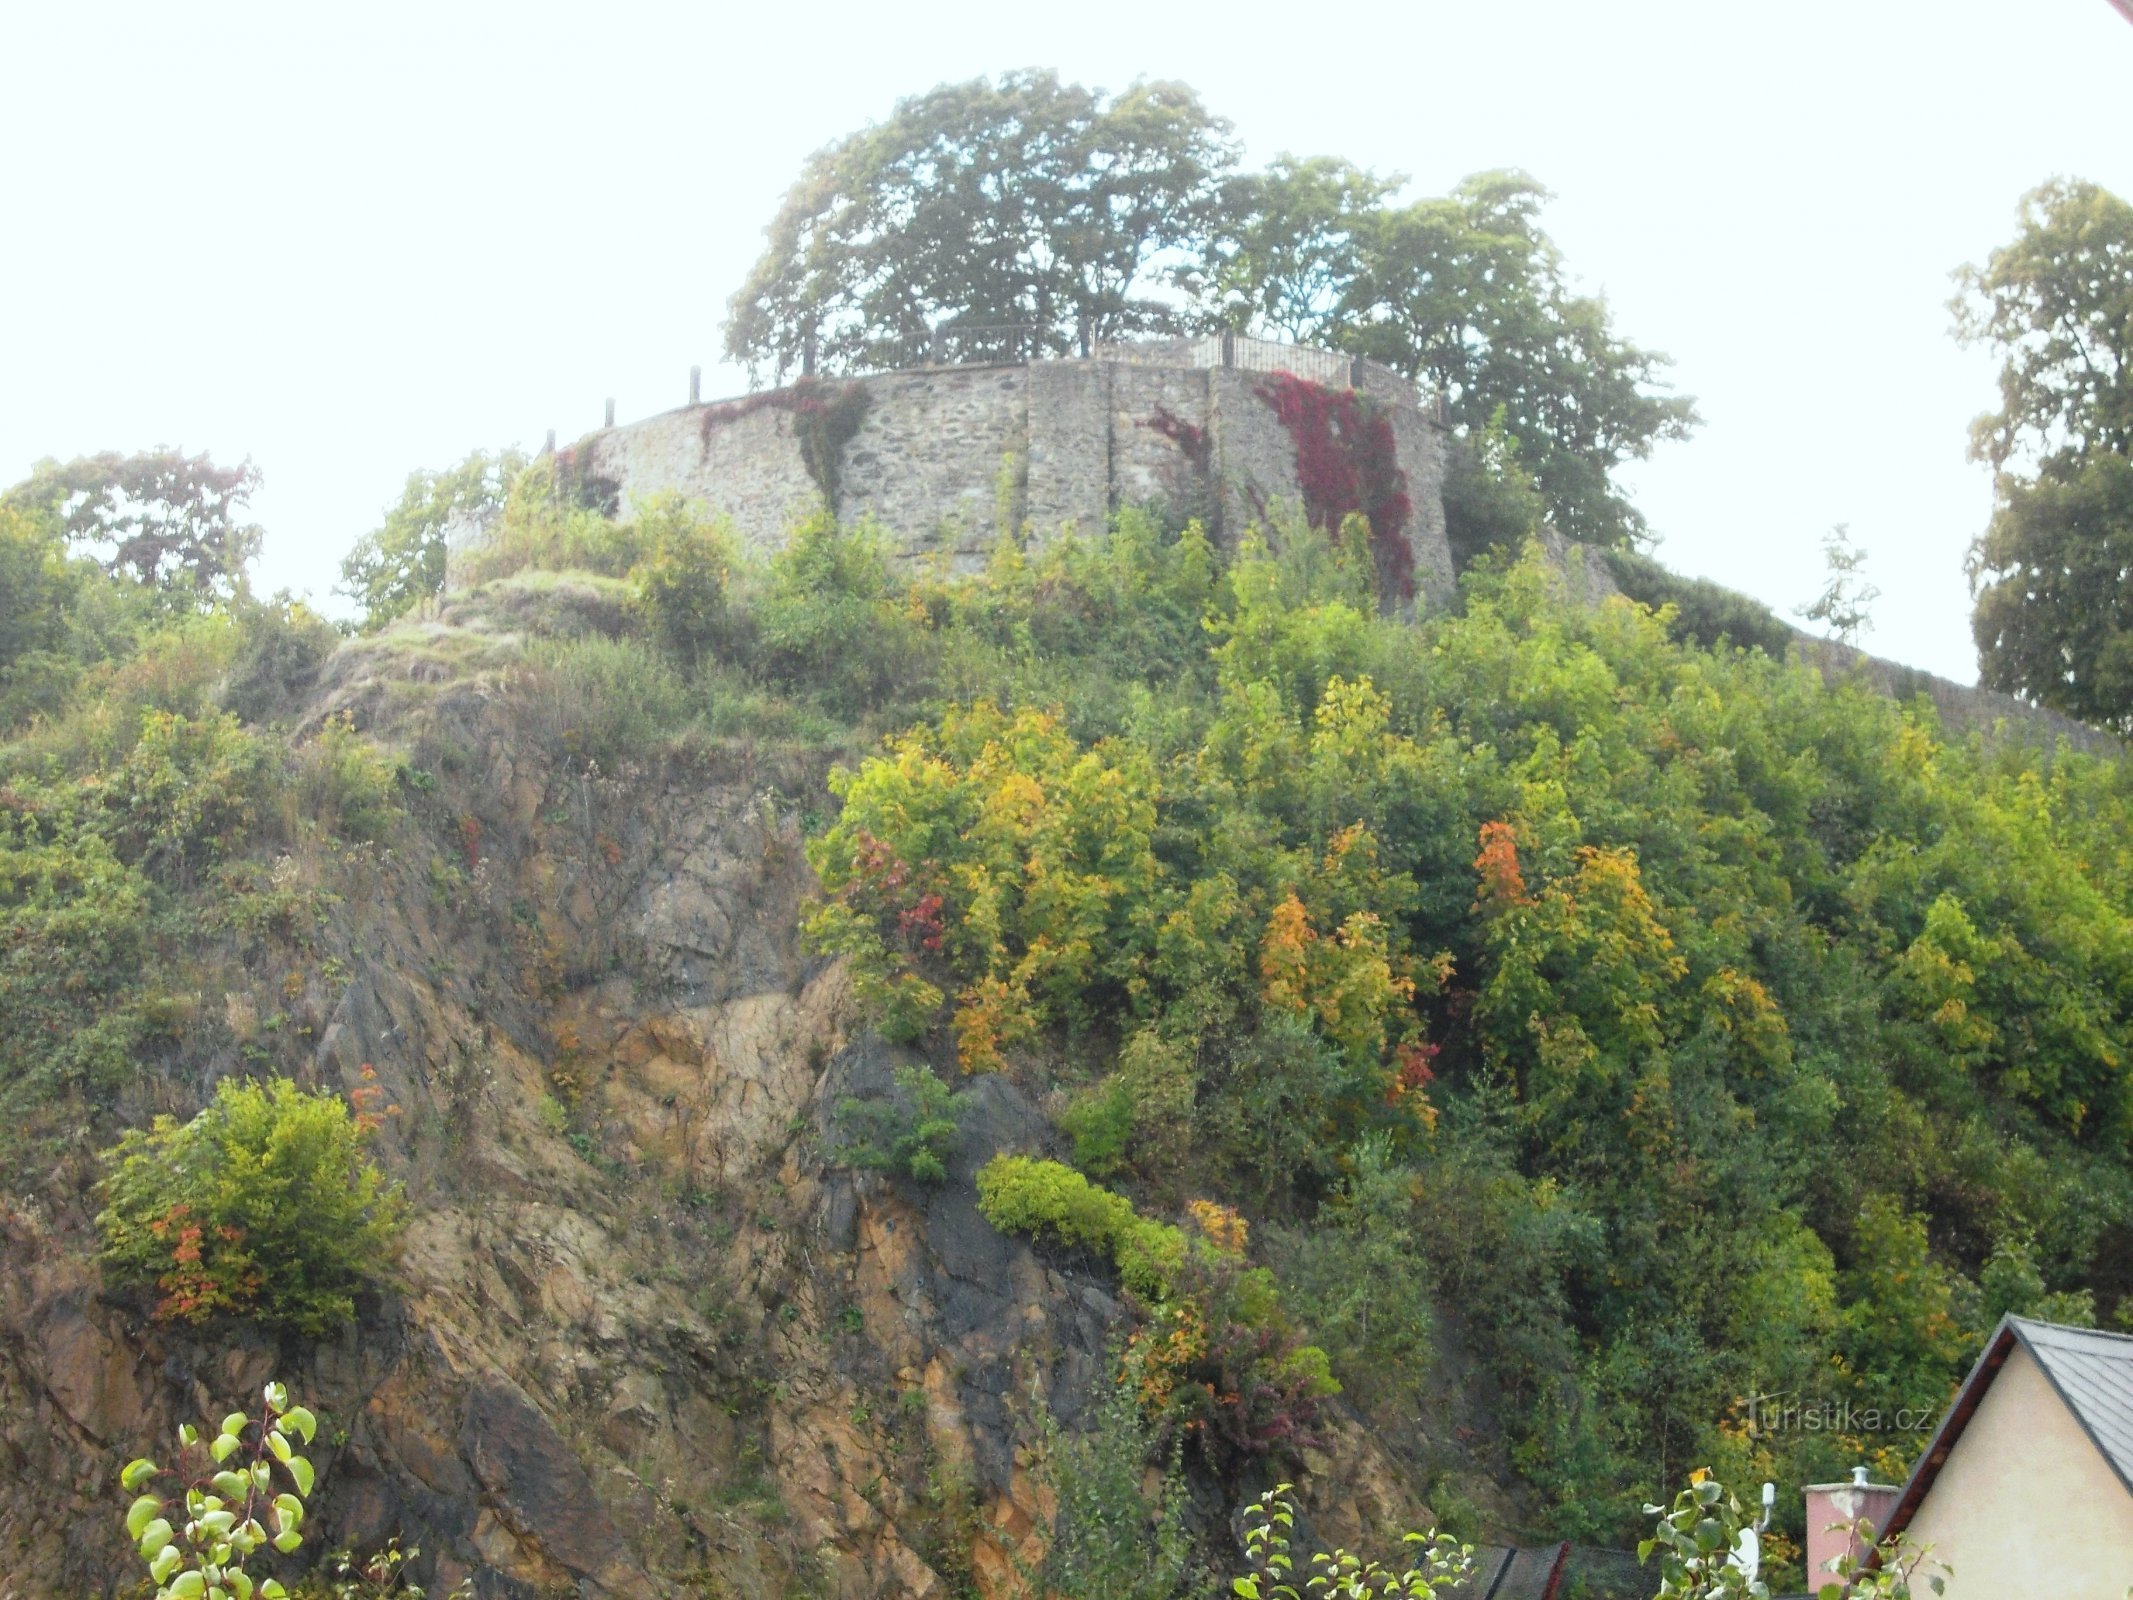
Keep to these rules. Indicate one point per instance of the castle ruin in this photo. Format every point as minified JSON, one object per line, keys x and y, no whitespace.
{"x":1223,"y":428}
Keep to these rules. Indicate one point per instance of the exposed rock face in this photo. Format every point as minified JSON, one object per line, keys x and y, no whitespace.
{"x":646,"y":1338}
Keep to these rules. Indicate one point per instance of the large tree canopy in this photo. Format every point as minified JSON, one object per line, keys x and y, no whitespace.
{"x":166,"y":520}
{"x":997,"y":221}
{"x":1468,"y":294}
{"x":984,"y":221}
{"x":2051,"y":571}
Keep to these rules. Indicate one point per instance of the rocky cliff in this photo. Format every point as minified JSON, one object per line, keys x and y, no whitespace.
{"x":645,"y":1337}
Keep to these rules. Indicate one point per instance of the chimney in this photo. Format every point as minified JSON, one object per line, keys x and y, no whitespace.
{"x":1832,"y":1509}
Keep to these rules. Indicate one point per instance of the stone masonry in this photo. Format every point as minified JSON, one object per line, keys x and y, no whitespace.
{"x":945,"y":458}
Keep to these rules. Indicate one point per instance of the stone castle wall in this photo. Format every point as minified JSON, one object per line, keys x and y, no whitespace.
{"x":944,"y":457}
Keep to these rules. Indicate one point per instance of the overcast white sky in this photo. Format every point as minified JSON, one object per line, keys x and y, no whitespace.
{"x":355,"y":240}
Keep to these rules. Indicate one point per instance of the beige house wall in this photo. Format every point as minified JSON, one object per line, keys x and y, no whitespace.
{"x":2026,"y":1505}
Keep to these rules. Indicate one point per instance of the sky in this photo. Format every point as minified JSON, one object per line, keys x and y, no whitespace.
{"x":352,"y":241}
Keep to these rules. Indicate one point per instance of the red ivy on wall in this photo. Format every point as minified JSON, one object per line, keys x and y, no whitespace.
{"x":1192,"y":441}
{"x":824,"y":418}
{"x":1347,"y":463}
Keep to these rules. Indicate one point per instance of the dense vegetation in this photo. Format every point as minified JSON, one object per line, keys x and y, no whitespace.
{"x":987,"y":221}
{"x":1665,"y":1025}
{"x":161,"y":841}
{"x":1661,"y":1024}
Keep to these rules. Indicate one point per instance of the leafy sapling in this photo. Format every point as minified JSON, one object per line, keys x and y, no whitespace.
{"x":1441,"y":1563}
{"x":1893,"y":1569}
{"x":229,"y":1497}
{"x":1698,"y":1540}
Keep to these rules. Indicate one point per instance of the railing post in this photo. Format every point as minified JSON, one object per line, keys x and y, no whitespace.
{"x":1355,"y":372}
{"x":1229,"y":347}
{"x":548,"y":449}
{"x":696,"y":386}
{"x":610,"y":412}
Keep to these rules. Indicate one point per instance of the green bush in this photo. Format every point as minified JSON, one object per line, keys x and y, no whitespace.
{"x":833,"y":623}
{"x":1110,"y":1539}
{"x":912,"y":1131}
{"x":602,"y":699}
{"x":1705,"y":613}
{"x":265,"y":1206}
{"x":345,"y":784}
{"x":556,"y":519}
{"x":75,"y":937}
{"x":686,"y":584}
{"x":279,"y":649}
{"x":1019,"y":1194}
{"x":188,"y":792}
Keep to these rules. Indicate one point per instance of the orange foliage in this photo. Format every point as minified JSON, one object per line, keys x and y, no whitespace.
{"x":1502,"y":884}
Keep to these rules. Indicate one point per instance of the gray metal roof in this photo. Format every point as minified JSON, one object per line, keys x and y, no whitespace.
{"x":2093,"y":1373}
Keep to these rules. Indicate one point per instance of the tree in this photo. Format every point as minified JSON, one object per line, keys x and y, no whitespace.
{"x":402,"y":562}
{"x":1000,"y":220}
{"x":1468,"y":295}
{"x":164,"y":519}
{"x":1285,"y":261}
{"x":1846,"y":594}
{"x":2049,"y":573}
{"x":2057,"y":303}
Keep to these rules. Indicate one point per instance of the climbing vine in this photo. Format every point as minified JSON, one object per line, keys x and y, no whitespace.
{"x":1192,"y":442}
{"x":825,"y":416}
{"x":1346,"y":464}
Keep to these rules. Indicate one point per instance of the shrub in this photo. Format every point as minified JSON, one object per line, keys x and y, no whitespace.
{"x":266,"y":1205}
{"x":912,"y":1131}
{"x":832,"y":622}
{"x":1219,"y":1359}
{"x":1440,"y":1562}
{"x":75,"y":926}
{"x":602,"y":699}
{"x":554,"y":519}
{"x":342,"y":780}
{"x":280,"y":648}
{"x":1110,"y":1539}
{"x":685,"y":584}
{"x":188,"y":792}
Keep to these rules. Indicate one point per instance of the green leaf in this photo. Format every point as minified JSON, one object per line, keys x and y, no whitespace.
{"x":232,"y":1485}
{"x":285,"y":1542}
{"x":288,"y":1512}
{"x":277,"y":1398}
{"x":142,"y":1512}
{"x":1247,"y":1587}
{"x":278,"y":1446}
{"x":240,"y":1585}
{"x":302,"y":1421}
{"x":165,"y":1562}
{"x":188,"y":1586}
{"x":137,"y":1472}
{"x":188,"y":1435}
{"x":224,"y":1447}
{"x":300,"y":1470}
{"x":233,"y":1424}
{"x":154,"y":1538}
{"x":272,"y":1590}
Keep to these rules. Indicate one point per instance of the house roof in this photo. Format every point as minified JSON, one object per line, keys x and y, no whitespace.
{"x":2091,"y":1372}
